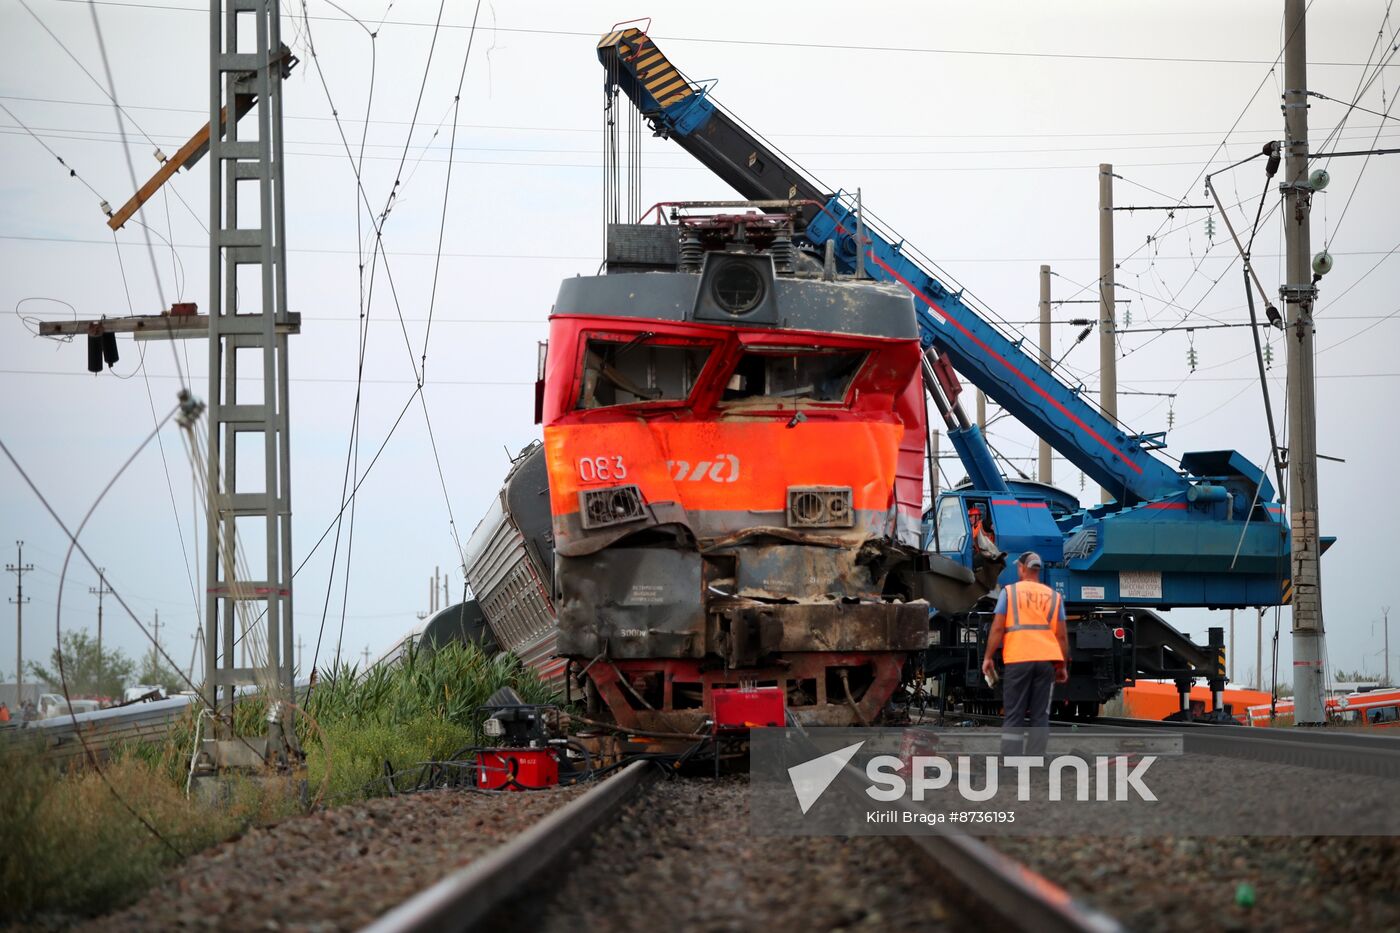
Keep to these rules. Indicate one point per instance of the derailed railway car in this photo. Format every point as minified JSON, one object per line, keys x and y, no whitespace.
{"x":510,"y":566}
{"x":734,"y":439}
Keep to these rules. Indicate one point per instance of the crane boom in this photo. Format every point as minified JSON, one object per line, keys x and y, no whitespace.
{"x":981,"y":353}
{"x":1210,"y":533}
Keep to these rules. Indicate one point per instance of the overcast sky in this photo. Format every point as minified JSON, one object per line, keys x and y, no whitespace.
{"x":974,"y":129}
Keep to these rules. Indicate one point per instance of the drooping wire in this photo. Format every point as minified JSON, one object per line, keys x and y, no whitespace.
{"x":62,"y":673}
{"x":432,"y":301}
{"x":72,"y":172}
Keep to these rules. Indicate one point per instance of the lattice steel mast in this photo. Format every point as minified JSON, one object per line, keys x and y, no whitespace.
{"x":247,"y":233}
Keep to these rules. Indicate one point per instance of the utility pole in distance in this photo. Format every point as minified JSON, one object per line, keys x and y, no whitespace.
{"x":1385,"y":627}
{"x":1108,"y":353}
{"x":1298,"y":294}
{"x":19,"y":569}
{"x":1044,"y":470}
{"x":100,"y":590}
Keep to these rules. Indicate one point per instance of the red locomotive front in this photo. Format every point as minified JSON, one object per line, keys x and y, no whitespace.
{"x":734,"y":447}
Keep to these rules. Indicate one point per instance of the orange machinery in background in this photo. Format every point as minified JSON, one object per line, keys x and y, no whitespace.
{"x":1149,"y":699}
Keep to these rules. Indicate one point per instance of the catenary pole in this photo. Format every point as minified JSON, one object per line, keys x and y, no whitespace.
{"x":1044,"y":474}
{"x":1299,"y":293}
{"x":1385,"y":626}
{"x":1108,"y":359}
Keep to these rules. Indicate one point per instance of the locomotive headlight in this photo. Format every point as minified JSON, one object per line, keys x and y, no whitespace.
{"x":737,"y":287}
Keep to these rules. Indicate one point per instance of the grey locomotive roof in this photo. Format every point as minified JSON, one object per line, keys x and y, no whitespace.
{"x":872,"y":309}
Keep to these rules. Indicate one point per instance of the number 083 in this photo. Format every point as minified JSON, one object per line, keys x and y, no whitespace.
{"x":594,"y":469}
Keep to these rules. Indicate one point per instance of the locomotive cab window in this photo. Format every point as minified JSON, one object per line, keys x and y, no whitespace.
{"x":628,"y":371}
{"x":812,"y":375}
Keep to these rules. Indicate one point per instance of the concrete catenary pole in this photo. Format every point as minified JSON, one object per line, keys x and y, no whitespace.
{"x":1108,"y":358}
{"x":1043,"y":474}
{"x":1298,"y":294}
{"x":19,"y":568}
{"x":1385,"y":626}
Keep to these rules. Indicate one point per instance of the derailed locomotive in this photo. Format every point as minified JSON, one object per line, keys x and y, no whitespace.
{"x":733,"y":440}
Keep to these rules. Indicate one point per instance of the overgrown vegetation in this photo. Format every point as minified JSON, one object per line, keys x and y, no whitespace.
{"x":70,"y":847}
{"x":422,"y":709}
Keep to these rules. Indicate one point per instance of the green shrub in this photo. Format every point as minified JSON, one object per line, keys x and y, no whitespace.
{"x":68,"y":845}
{"x":72,"y":847}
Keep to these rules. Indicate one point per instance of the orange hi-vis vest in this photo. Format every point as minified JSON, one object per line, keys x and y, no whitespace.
{"x":1032,"y":617}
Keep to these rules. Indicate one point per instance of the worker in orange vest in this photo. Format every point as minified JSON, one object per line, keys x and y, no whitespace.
{"x":1034,"y":648}
{"x":978,"y":528}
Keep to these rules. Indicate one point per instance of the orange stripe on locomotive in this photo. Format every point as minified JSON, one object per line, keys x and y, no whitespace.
{"x":704,"y":453}
{"x":716,"y":466}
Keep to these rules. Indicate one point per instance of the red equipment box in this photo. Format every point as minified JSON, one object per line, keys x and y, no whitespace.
{"x":737,"y":708}
{"x":517,"y":769}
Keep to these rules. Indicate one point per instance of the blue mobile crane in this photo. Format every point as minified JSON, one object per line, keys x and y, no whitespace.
{"x":1208,"y":532}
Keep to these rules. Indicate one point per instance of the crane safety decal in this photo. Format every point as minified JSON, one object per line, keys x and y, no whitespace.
{"x":654,"y":71}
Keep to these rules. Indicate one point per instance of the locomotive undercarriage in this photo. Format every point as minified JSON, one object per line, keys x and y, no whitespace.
{"x":643,"y":646}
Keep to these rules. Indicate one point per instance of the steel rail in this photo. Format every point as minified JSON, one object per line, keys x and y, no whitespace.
{"x":994,"y":888}
{"x":1332,"y":750}
{"x":1004,"y":892}
{"x":465,"y":898}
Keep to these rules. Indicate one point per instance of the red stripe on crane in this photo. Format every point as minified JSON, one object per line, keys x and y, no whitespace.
{"x":1008,"y":364}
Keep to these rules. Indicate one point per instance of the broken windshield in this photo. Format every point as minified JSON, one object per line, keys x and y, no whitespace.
{"x":813,"y":375}
{"x":628,"y":371}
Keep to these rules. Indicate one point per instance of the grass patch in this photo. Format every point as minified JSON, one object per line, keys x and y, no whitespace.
{"x":73,"y":848}
{"x":69,"y":847}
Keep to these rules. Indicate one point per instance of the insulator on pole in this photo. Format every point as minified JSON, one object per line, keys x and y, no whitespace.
{"x":109,"y":348}
{"x":94,"y":363}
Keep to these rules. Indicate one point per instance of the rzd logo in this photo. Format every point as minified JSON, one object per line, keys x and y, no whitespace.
{"x":722,"y":469}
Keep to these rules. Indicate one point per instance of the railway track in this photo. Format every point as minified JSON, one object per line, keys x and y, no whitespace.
{"x":612,"y":856}
{"x":1336,"y":750}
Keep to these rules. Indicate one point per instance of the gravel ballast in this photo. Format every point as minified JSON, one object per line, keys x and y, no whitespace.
{"x":680,"y":856}
{"x":337,"y":869}
{"x":1226,"y":882}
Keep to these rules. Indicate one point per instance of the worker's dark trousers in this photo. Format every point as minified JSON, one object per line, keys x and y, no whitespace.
{"x":1025,"y":695}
